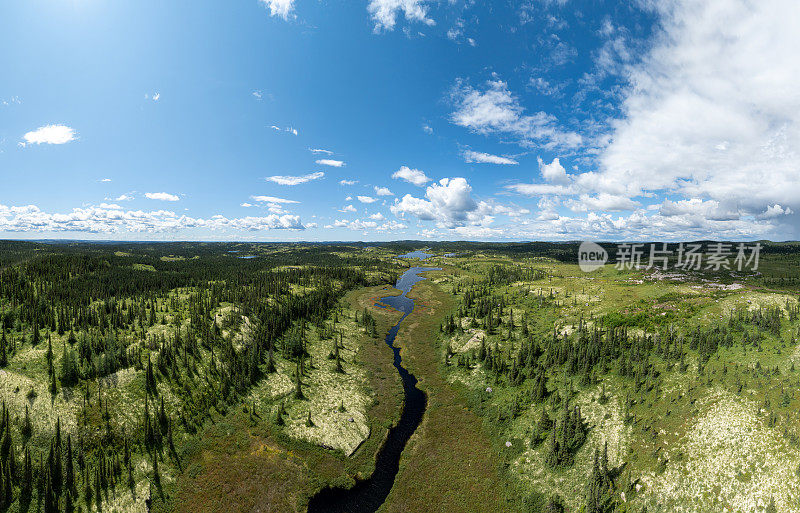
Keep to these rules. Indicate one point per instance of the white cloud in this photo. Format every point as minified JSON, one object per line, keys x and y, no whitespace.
{"x":414,"y":176}
{"x":330,"y":162}
{"x":112,"y":219}
{"x":258,"y":94}
{"x":280,"y":8}
{"x":123,"y":197}
{"x":496,"y":110}
{"x":348,"y":208}
{"x":156,"y":97}
{"x":775,"y":211}
{"x":487,"y":158}
{"x":366,"y":199}
{"x":14,"y":100}
{"x":384,"y":12}
{"x":289,"y":129}
{"x":161,"y":196}
{"x":707,"y":209}
{"x":545,"y":87}
{"x":377,"y":217}
{"x":541,"y":189}
{"x":105,"y":180}
{"x":318,"y":151}
{"x":246,"y":205}
{"x":448,"y":202}
{"x":713,"y":110}
{"x":392,"y":226}
{"x":383,"y":191}
{"x":272,"y":199}
{"x":603,"y":202}
{"x":427,"y":129}
{"x":365,"y":225}
{"x":348,"y":182}
{"x":553,"y":172}
{"x":49,"y":134}
{"x":295,"y":180}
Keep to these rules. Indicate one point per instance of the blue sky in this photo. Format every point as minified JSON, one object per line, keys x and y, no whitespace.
{"x":399,"y":119}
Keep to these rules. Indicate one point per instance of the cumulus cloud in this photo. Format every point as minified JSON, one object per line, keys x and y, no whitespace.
{"x":295,"y":180}
{"x":487,"y":158}
{"x":123,"y":197}
{"x":384,"y":12}
{"x":366,"y":199}
{"x":348,"y":208}
{"x":707,"y":209}
{"x":113,"y":219}
{"x":448,"y":202}
{"x":713,"y":110}
{"x":49,"y":134}
{"x":161,"y":196}
{"x":330,"y":162}
{"x":775,"y":211}
{"x":383,"y":191}
{"x":414,"y":176}
{"x":281,"y":8}
{"x":495,"y":110}
{"x":348,"y":182}
{"x":320,"y":151}
{"x":553,"y":172}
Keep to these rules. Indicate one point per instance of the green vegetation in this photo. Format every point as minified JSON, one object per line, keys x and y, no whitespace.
{"x":180,"y":377}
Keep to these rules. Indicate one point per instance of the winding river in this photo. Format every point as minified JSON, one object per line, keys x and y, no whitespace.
{"x":368,"y":495}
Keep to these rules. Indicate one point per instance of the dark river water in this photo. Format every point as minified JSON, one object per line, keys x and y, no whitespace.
{"x":368,"y":495}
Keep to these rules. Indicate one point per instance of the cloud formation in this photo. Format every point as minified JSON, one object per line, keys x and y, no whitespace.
{"x":414,"y":176}
{"x":295,"y":180}
{"x":109,"y":218}
{"x":494,"y":110}
{"x":487,"y":158}
{"x":49,"y":134}
{"x":384,"y":12}
{"x":281,"y":8}
{"x":330,"y":162}
{"x":161,"y":196}
{"x":713,"y":110}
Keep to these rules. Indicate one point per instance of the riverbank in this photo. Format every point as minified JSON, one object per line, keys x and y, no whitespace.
{"x":449,"y":464}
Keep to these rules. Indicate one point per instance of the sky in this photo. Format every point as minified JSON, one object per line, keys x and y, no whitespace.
{"x":327,"y":120}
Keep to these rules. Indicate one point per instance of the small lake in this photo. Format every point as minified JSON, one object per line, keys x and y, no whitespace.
{"x":416,"y":254}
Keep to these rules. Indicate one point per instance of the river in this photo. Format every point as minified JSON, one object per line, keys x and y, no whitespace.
{"x":368,"y":495}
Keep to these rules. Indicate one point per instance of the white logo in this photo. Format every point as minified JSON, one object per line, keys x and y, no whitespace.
{"x":591,"y":256}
